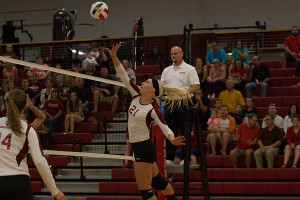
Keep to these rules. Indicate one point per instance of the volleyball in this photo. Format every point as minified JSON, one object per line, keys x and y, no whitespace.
{"x":99,"y":10}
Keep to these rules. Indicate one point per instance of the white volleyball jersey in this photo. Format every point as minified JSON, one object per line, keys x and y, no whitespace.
{"x":140,"y":116}
{"x":13,"y":151}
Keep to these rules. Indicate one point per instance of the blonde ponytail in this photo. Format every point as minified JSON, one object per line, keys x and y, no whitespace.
{"x":16,"y":101}
{"x":177,"y":97}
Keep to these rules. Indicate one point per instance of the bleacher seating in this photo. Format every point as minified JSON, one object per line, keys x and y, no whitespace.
{"x":225,"y":182}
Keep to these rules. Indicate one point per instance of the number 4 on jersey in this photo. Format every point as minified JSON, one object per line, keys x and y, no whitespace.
{"x":7,"y":141}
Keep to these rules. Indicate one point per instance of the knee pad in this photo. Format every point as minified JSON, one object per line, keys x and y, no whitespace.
{"x":171,"y":197}
{"x":159,"y":183}
{"x":146,"y":194}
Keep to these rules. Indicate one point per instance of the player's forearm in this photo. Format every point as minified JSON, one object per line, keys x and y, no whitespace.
{"x":116,"y":61}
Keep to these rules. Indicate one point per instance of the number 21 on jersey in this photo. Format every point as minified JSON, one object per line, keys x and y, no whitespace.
{"x":133,"y":110}
{"x":6,"y":141}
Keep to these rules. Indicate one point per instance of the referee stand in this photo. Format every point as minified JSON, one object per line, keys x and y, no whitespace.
{"x":160,"y":141}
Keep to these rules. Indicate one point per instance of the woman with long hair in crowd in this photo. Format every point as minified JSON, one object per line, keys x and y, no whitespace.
{"x":74,"y":112}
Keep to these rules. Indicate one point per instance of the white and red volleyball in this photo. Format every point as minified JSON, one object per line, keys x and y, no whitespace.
{"x":99,"y":10}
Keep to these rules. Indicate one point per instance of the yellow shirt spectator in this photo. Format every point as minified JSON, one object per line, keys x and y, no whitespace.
{"x":231,"y":99}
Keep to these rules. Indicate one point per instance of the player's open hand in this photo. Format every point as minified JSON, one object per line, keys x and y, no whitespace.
{"x":114,"y":50}
{"x":178,"y":141}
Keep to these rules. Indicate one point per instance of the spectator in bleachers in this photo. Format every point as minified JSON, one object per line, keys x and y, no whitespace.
{"x":247,"y":136}
{"x":237,"y":114}
{"x":218,"y":106}
{"x":37,"y":87}
{"x":291,"y":47}
{"x":278,"y":121}
{"x":10,"y":85}
{"x":202,"y":72}
{"x":213,"y":123}
{"x":215,"y":79}
{"x":59,"y":77}
{"x":287,"y":122}
{"x":46,"y":93}
{"x":260,"y":77}
{"x":128,"y":69}
{"x":226,"y":128}
{"x":10,"y":72}
{"x":92,"y":55}
{"x":238,"y":74}
{"x":241,"y":53}
{"x":104,"y":92}
{"x":41,"y":74}
{"x":293,"y":140}
{"x":124,"y":90}
{"x":102,"y":58}
{"x":202,"y":105}
{"x":89,"y":70}
{"x":9,"y":53}
{"x":231,"y":97}
{"x":83,"y":93}
{"x":54,"y":110}
{"x":29,"y":92}
{"x":269,"y":141}
{"x":51,"y":76}
{"x":45,"y":133}
{"x":74,"y":112}
{"x":216,"y":53}
{"x":64,"y":90}
{"x":249,"y":109}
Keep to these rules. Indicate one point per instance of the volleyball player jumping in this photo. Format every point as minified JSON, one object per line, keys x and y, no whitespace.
{"x":142,"y":111}
{"x":17,"y":138}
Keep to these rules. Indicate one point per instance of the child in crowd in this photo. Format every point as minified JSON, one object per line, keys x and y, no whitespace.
{"x":212,"y":123}
{"x":91,"y":57}
{"x":237,"y":115}
{"x":217,"y":106}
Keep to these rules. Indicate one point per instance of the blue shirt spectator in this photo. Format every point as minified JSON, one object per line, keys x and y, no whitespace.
{"x":215,"y":53}
{"x":235,"y":55}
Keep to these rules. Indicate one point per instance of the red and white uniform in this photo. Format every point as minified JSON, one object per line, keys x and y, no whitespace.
{"x":141,"y":116}
{"x":13,"y":151}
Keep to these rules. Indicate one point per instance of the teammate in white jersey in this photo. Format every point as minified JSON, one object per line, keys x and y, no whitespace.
{"x":17,"y":138}
{"x":142,"y":112}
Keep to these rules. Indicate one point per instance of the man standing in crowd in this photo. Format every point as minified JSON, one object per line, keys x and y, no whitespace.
{"x":269,"y":141}
{"x":291,"y":47}
{"x":181,"y":75}
{"x":260,"y":77}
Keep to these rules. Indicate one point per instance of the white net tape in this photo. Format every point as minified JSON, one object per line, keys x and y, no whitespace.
{"x":84,"y":154}
{"x":60,"y":71}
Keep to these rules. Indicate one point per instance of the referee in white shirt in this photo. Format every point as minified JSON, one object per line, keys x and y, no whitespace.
{"x":183,"y":75}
